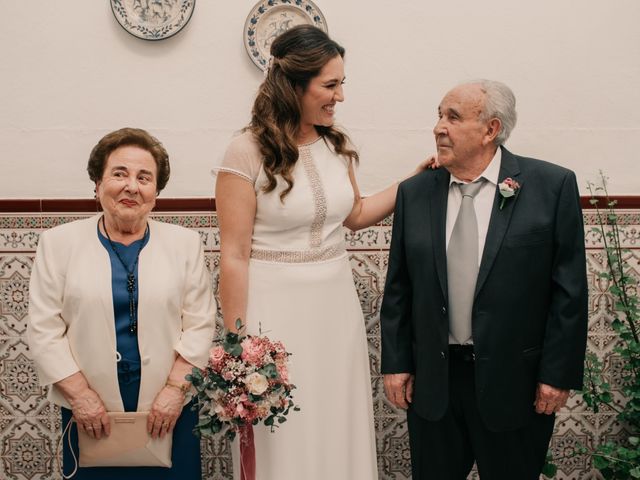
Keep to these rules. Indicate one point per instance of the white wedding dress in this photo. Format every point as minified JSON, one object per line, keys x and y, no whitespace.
{"x":301,"y":292}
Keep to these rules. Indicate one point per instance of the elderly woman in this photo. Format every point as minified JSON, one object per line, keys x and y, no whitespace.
{"x":121,"y":309}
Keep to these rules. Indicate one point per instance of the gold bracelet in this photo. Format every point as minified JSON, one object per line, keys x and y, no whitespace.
{"x":183,"y":387}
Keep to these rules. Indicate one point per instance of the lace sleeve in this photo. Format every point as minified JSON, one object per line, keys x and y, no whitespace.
{"x":242,"y":158}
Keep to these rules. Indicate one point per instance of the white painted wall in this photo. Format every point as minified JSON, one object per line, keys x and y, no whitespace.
{"x":69,"y":74}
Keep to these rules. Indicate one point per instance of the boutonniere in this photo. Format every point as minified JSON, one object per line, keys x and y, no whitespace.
{"x":508,"y":188}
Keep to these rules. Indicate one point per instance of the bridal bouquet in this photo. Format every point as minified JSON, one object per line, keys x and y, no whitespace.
{"x":245,"y":382}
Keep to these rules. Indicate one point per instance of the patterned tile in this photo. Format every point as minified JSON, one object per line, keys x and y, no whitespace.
{"x":374,"y":356}
{"x":18,"y":378}
{"x":48,"y":419}
{"x":30,"y":426}
{"x":629,"y":229}
{"x":7,"y":415}
{"x":362,"y":239}
{"x":27,"y":452}
{"x":570,"y":434}
{"x":394,"y":458}
{"x":18,"y":239}
{"x":625,"y":218}
{"x":212,"y":260}
{"x":387,"y":221}
{"x":186,"y":220}
{"x":367,"y":279}
{"x":385,"y":233}
{"x":14,"y":291}
{"x":216,"y":459}
{"x":10,"y":221}
{"x":50,"y":221}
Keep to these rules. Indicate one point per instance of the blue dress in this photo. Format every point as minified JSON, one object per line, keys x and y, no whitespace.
{"x":185,"y":452}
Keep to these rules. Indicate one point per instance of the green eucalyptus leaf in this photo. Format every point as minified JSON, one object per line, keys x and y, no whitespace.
{"x":269,"y":370}
{"x":549,"y":470}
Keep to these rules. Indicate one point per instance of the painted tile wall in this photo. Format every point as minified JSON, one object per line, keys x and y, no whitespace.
{"x":30,"y":426}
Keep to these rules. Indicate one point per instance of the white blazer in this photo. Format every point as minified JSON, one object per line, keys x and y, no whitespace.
{"x":71,"y":323}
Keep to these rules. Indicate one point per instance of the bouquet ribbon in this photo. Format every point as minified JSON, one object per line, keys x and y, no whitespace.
{"x":247,"y":454}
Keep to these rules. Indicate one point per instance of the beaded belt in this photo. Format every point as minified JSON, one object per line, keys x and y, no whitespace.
{"x":299,"y":256}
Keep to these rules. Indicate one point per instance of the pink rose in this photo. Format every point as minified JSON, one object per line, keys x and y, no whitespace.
{"x":216,"y":355}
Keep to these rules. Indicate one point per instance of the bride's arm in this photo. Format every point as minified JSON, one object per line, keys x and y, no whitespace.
{"x":236,"y":209}
{"x":370,"y":210}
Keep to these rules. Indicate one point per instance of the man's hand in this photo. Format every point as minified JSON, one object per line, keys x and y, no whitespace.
{"x":550,"y":399}
{"x":399,"y":389}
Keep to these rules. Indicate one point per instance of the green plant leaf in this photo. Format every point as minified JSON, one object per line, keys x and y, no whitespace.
{"x":618,"y":458}
{"x":549,"y":470}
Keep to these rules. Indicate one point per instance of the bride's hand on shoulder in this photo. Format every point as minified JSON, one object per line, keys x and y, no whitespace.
{"x":431,"y":162}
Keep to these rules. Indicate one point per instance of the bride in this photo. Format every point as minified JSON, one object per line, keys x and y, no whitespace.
{"x":284,"y":191}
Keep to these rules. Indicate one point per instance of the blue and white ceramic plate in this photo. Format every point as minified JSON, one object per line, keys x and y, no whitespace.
{"x":270,"y":18}
{"x":153,"y":19}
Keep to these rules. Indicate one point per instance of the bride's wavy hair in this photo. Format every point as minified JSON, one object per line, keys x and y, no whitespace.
{"x":298,"y":55}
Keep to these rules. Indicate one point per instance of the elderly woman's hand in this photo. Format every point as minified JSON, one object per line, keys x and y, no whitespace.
{"x":91,"y":414}
{"x":88,"y":410}
{"x":165,"y":411}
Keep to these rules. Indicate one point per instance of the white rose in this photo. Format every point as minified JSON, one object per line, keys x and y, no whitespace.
{"x":506,"y":191}
{"x":256,"y":383}
{"x":217,"y":409}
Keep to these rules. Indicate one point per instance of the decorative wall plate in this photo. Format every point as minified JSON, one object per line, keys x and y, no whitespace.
{"x":270,"y":18}
{"x":153,"y":19}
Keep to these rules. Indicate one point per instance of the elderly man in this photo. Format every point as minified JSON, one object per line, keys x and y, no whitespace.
{"x":484,"y":318}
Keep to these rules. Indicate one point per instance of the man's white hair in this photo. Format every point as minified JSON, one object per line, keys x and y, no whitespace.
{"x":500,"y":103}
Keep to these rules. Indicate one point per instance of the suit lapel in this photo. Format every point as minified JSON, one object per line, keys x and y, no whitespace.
{"x":438,"y":225}
{"x":499,"y":220}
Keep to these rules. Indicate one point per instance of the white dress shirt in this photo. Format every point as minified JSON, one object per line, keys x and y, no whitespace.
{"x":482,"y":203}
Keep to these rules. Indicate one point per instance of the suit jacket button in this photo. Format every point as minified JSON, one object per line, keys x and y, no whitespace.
{"x":443,"y":355}
{"x":444,"y":310}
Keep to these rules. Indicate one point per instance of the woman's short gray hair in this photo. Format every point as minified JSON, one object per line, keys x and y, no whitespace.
{"x":500,"y":103}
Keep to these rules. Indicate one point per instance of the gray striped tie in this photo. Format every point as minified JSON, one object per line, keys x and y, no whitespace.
{"x":462,"y":264}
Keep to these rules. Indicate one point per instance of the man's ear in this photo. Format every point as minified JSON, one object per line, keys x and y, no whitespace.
{"x":493,"y":129}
